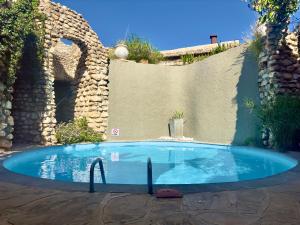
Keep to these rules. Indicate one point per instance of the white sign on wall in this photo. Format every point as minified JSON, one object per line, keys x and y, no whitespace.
{"x":115,"y":132}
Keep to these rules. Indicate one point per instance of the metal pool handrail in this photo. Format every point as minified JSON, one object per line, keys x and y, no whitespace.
{"x":92,"y":169}
{"x":149,"y":176}
{"x":99,"y":160}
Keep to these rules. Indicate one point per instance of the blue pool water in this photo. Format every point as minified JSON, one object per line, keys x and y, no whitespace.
{"x":173,"y":163}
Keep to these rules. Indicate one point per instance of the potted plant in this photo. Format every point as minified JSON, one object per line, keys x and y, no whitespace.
{"x":176,"y":125}
{"x":121,"y":50}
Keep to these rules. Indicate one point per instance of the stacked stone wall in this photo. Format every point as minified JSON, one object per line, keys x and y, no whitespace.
{"x":279,"y":67}
{"x":279,"y":63}
{"x":90,"y":91}
{"x":34,"y":101}
{"x":27,"y":107}
{"x":6,"y":120}
{"x":66,"y":60}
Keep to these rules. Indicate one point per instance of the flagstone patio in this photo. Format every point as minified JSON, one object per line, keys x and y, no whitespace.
{"x":29,"y":205}
{"x":266,"y":206}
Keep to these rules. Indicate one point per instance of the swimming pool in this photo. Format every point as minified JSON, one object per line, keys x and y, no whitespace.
{"x":172,"y":163}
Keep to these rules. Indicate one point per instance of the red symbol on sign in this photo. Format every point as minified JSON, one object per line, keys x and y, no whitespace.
{"x":115,"y":132}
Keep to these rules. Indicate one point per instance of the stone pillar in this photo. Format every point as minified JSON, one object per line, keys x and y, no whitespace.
{"x":270,"y":61}
{"x":279,"y":68}
{"x":279,"y":64}
{"x":6,"y":120}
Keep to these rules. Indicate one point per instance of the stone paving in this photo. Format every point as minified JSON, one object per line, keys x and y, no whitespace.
{"x":21,"y":205}
{"x":29,"y":205}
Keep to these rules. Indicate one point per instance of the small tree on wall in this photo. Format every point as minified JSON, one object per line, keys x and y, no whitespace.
{"x":18,"y":22}
{"x":21,"y":51}
{"x":274,"y":11}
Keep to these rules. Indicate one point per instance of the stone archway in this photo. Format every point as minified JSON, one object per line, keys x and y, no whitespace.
{"x":67,"y":61}
{"x":90,"y":91}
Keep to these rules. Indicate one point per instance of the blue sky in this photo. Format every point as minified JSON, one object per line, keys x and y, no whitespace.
{"x":167,"y":24}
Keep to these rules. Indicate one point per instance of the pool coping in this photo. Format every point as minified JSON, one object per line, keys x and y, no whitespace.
{"x":287,"y":177}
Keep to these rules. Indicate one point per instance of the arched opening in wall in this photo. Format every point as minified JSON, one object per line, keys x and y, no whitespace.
{"x":68,"y":67}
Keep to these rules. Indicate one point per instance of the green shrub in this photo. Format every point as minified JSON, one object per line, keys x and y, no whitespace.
{"x":219,"y":49}
{"x":140,"y":49}
{"x":202,"y":57}
{"x":18,"y":26}
{"x":76,"y":131}
{"x":252,"y":141}
{"x":282,"y":117}
{"x":256,"y":45}
{"x":178,"y":115}
{"x":111,"y":54}
{"x":155,"y":57}
{"x":188,"y":59}
{"x":274,"y":11}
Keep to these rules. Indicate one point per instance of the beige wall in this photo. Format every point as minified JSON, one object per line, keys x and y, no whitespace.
{"x":210,"y":93}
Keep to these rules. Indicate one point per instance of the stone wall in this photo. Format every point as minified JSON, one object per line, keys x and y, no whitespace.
{"x":279,"y":67}
{"x":33,"y":107}
{"x":279,"y":63}
{"x":65,"y":60}
{"x":90,"y":91}
{"x":27,"y":105}
{"x":211,"y":93}
{"x":6,"y":120}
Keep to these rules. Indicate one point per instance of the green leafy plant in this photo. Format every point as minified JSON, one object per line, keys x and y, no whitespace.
{"x":111,"y":54}
{"x":188,"y":59}
{"x":177,"y":115}
{"x":219,"y":49}
{"x":256,"y":46}
{"x":274,"y":11}
{"x":282,"y":117}
{"x":255,"y":40}
{"x":140,"y":49}
{"x":251,"y":141}
{"x":4,"y":3}
{"x":202,"y":57}
{"x":249,"y":104}
{"x":18,"y":23}
{"x":76,"y":131}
